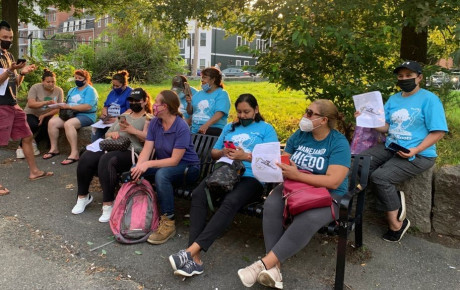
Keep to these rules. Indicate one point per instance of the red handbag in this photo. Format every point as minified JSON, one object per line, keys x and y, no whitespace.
{"x":299,"y":197}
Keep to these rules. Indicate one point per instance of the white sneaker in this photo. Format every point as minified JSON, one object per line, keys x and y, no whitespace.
{"x":36,"y":151}
{"x":81,"y":204}
{"x":106,"y":212}
{"x":271,"y":278}
{"x":20,"y":154}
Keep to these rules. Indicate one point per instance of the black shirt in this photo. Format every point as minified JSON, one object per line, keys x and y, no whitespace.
{"x":9,"y":98}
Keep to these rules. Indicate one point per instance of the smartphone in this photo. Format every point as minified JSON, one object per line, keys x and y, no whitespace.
{"x":122,"y":119}
{"x":20,"y":60}
{"x":187,"y":90}
{"x":229,"y":144}
{"x":285,"y":159}
{"x":396,"y":147}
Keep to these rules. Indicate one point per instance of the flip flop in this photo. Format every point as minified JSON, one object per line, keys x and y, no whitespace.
{"x":3,"y":190}
{"x":49,"y":155}
{"x":43,"y":175}
{"x":72,"y":160}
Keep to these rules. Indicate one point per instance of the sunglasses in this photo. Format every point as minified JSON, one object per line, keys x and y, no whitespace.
{"x":310,"y":113}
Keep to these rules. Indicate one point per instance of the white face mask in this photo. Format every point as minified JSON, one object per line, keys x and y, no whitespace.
{"x":306,"y":124}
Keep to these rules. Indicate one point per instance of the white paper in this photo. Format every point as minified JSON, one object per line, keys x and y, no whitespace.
{"x":4,"y":85}
{"x":57,"y":105}
{"x":94,"y":147}
{"x":264,"y":159}
{"x":225,"y":159}
{"x":371,"y":107}
{"x":100,"y":124}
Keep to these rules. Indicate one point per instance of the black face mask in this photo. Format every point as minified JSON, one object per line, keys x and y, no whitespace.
{"x":6,"y":44}
{"x":407,"y":85}
{"x":246,"y":122}
{"x":135,"y":107}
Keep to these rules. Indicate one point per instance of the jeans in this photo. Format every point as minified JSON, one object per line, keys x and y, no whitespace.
{"x":165,"y":177}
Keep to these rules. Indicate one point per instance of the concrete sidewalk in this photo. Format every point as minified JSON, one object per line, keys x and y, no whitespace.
{"x":44,"y":246}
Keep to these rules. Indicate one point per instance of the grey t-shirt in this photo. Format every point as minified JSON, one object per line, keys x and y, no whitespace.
{"x":38,"y":93}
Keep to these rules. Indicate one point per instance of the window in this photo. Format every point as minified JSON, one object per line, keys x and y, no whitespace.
{"x":90,"y":38}
{"x":246,"y":62}
{"x":77,"y":25}
{"x":245,"y":42}
{"x":64,"y":27}
{"x":263,"y":45}
{"x":203,"y":39}
{"x":239,"y":41}
{"x":106,"y":21}
{"x":238,"y":62}
{"x":83,"y":24}
{"x":192,"y":36}
{"x":202,"y":63}
{"x":54,"y":16}
{"x":257,"y":43}
{"x":99,"y":23}
{"x":181,"y":44}
{"x":71,"y":26}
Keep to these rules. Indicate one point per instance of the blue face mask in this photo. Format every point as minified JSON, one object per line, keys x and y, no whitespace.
{"x":79,"y":83}
{"x":206,"y":87}
{"x":118,"y":90}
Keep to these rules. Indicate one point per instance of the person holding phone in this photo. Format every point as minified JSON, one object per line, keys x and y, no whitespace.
{"x":185,"y":92}
{"x":13,"y":119}
{"x":38,"y":112}
{"x":108,"y":166}
{"x":415,"y":120}
{"x":115,"y":104}
{"x":249,"y":130}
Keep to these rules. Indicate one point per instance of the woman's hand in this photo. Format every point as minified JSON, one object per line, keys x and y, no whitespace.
{"x":357,"y":114}
{"x":126,"y":127}
{"x":203,"y":129}
{"x":114,"y":135}
{"x":289,"y":171}
{"x":138,"y":170}
{"x":28,"y":69}
{"x":236,"y":154}
{"x":412,"y":152}
{"x":40,"y":119}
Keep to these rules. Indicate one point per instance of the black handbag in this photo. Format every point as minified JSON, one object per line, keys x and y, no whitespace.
{"x":119,"y":144}
{"x":225,"y":176}
{"x":66,"y":114}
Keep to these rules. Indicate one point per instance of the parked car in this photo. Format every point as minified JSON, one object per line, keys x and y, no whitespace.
{"x":438,"y":79}
{"x":234,"y":72}
{"x":455,"y":78}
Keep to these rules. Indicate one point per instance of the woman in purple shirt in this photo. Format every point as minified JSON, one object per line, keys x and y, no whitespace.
{"x":169,"y":135}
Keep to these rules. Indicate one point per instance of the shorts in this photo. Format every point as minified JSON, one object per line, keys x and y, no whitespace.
{"x":85,"y":121}
{"x":13,"y":124}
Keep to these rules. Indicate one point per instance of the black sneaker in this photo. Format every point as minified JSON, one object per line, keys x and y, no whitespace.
{"x":190,"y":268}
{"x":402,"y":209}
{"x":179,"y":259}
{"x":396,"y":236}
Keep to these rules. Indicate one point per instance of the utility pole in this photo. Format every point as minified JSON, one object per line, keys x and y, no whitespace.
{"x":196,"y":49}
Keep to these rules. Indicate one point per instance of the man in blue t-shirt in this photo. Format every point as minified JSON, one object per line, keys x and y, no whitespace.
{"x":415,"y":120}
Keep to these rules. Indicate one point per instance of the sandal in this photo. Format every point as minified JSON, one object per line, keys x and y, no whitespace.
{"x":70,"y":161}
{"x":49,"y":155}
{"x":3,"y":190}
{"x":43,"y":175}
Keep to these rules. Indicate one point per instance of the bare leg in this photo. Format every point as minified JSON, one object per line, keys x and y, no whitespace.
{"x":270,"y":261}
{"x":53,"y":131}
{"x":29,"y":154}
{"x":70,"y":127}
{"x":392,"y":218}
{"x":195,"y":252}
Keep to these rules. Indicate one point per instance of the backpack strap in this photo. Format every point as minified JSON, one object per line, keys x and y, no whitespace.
{"x":208,"y":197}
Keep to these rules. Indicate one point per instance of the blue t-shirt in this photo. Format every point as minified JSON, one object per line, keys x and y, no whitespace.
{"x":412,"y":118}
{"x":183,"y":102}
{"x":316,"y":156}
{"x":117,"y":104}
{"x":177,"y":137}
{"x":205,"y":105}
{"x":246,"y":138}
{"x":87,"y":96}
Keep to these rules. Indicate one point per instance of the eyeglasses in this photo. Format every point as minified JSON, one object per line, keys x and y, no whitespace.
{"x":310,"y":113}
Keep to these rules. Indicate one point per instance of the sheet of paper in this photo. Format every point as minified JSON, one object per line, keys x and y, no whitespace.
{"x":100,"y":124}
{"x":371,"y":107}
{"x":264,"y":159}
{"x":94,"y":147}
{"x":57,"y":105}
{"x":4,"y":85}
{"x":225,"y":159}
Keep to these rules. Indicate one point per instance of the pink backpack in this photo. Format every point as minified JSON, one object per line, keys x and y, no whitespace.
{"x":135,"y":213}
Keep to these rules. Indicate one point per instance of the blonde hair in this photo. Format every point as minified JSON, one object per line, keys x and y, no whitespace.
{"x":329,"y":110}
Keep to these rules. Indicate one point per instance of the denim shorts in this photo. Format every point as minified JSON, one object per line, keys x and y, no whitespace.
{"x":85,"y":121}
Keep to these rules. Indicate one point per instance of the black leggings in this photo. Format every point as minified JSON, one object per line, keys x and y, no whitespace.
{"x":105,"y":165}
{"x":40,"y":131}
{"x":205,"y":234}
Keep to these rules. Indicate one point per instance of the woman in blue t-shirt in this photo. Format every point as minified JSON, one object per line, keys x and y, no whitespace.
{"x":82,"y":99}
{"x":209,"y":107}
{"x":249,"y":130}
{"x":185,"y":92}
{"x":320,"y":149}
{"x":168,"y":136}
{"x":115,"y":104}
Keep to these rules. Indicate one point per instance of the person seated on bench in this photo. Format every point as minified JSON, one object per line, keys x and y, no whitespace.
{"x":107,"y":166}
{"x":325,"y":152}
{"x":209,"y":107}
{"x":249,"y":130}
{"x":82,"y":99}
{"x":169,"y":135}
{"x":185,"y":92}
{"x":415,"y":120}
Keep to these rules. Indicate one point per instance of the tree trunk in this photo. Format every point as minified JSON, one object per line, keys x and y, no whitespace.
{"x":10,"y":15}
{"x":196,"y":43}
{"x":414,"y":46}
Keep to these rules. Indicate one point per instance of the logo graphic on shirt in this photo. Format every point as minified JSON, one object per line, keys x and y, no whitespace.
{"x":400,"y":121}
{"x":244,"y":141}
{"x":204,"y":111}
{"x":75,"y":99}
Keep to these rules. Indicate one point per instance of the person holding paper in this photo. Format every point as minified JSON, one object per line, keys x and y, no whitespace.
{"x":115,"y":104}
{"x":38,"y":111}
{"x":185,"y":92}
{"x":250,"y":129}
{"x":82,"y":99}
{"x":320,"y":149}
{"x":108,"y":165}
{"x":13,"y":119}
{"x":415,"y":120}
